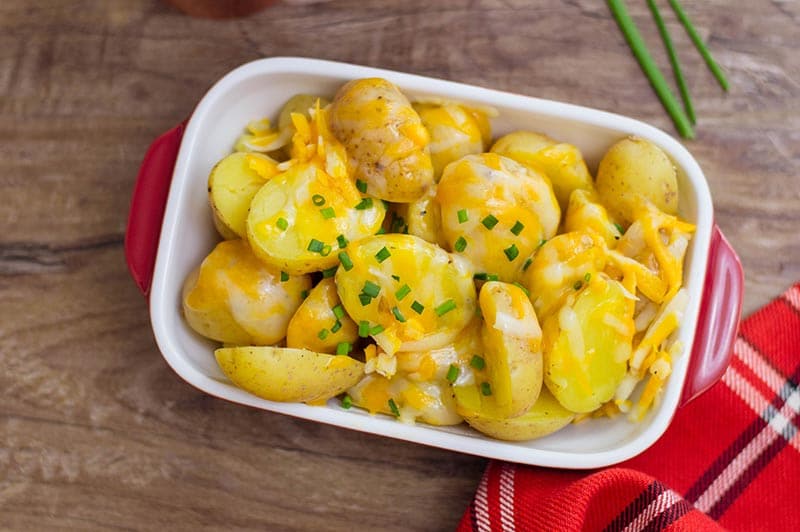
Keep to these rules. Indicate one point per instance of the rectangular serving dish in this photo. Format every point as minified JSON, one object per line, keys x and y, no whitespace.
{"x":258,"y":89}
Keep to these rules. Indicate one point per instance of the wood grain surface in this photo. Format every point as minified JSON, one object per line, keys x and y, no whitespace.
{"x":97,"y":432}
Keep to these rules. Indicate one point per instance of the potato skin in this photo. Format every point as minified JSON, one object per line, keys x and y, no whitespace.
{"x":635,"y":168}
{"x":385,"y":138}
{"x":232,"y":184}
{"x":289,"y":375}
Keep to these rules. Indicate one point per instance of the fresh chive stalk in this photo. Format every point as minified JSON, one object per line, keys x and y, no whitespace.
{"x":698,"y":42}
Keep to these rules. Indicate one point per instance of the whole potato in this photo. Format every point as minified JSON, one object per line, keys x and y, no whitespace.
{"x":632,"y":169}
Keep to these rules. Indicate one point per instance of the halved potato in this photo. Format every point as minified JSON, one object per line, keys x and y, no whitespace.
{"x":289,"y":375}
{"x":454,"y":133}
{"x":423,"y":218}
{"x":586,"y":212}
{"x":315,"y":326}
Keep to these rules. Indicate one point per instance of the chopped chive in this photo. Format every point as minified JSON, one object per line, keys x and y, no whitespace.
{"x":477,"y":362}
{"x":315,"y":245}
{"x":330,"y":272}
{"x":365,"y":203}
{"x":347,"y":402}
{"x":452,"y":373}
{"x":336,"y":326}
{"x":445,"y":307}
{"x":518,"y":227}
{"x":282,"y":224}
{"x":398,"y":315}
{"x":304,"y":294}
{"x":650,"y":68}
{"x":381,"y":231}
{"x":322,"y":334}
{"x":342,"y":241}
{"x":527,"y":264}
{"x":338,"y":311}
{"x":486,"y":388}
{"x":461,"y":244}
{"x":318,"y":200}
{"x":383,"y":254}
{"x":376,"y":330}
{"x":284,"y":277}
{"x":343,"y":348}
{"x":361,"y":186}
{"x":698,"y":42}
{"x":511,"y":252}
{"x":489,"y":222}
{"x":402,"y":292}
{"x":587,"y":276}
{"x":396,"y":277}
{"x":519,"y":285}
{"x":578,"y":284}
{"x":365,"y":299}
{"x":328,"y":213}
{"x":542,"y":242}
{"x":371,"y":289}
{"x":417,"y":307}
{"x":462,"y":216}
{"x":363,"y":328}
{"x":344,"y":258}
{"x":393,"y":408}
{"x":326,"y":250}
{"x":492,"y":277}
{"x":619,"y":228}
{"x":480,"y":276}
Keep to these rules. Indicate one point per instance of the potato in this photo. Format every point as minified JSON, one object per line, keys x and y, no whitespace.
{"x":237,"y":299}
{"x":423,"y":218}
{"x":231,"y":186}
{"x":454,"y":133}
{"x":297,"y":217}
{"x":416,"y":294}
{"x":632,"y":169}
{"x":545,"y":417}
{"x":495,"y":212}
{"x":299,"y":103}
{"x":289,"y":375}
{"x":385,"y":138}
{"x":585,"y":212}
{"x":587,"y":344}
{"x":314,"y":325}
{"x":562,"y":163}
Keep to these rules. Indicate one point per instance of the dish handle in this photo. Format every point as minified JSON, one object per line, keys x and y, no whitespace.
{"x":147,"y":206}
{"x":718,"y":323}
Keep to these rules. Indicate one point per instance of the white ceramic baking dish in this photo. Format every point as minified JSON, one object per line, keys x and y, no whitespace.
{"x":172,"y":181}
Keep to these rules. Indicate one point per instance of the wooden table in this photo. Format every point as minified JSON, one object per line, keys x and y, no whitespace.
{"x":96,"y":431}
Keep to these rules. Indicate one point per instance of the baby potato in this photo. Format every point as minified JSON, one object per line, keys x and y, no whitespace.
{"x":297,"y":217}
{"x":423,"y":218}
{"x":414,"y":295}
{"x":454,"y":133}
{"x":237,"y":299}
{"x":636,"y":168}
{"x":315,"y":325}
{"x":385,"y":138}
{"x":561,"y":264}
{"x":562,"y":163}
{"x":585,"y":212}
{"x":299,"y":103}
{"x":231,"y":186}
{"x":545,"y":417}
{"x":496,"y":212}
{"x":587,"y":344}
{"x":289,"y":375}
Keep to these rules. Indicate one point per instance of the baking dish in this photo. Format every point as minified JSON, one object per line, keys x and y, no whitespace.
{"x":172,"y":185}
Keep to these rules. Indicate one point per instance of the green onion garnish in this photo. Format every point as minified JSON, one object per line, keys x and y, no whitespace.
{"x":650,"y":68}
{"x":518,"y":227}
{"x":365,"y":299}
{"x":398,"y":315}
{"x":619,"y":228}
{"x":527,"y":264}
{"x":542,"y":242}
{"x":452,"y":373}
{"x":477,"y":362}
{"x":698,"y":42}
{"x":338,"y":311}
{"x":282,"y":224}
{"x":361,"y":186}
{"x":343,"y":348}
{"x":383,"y":254}
{"x":342,"y":241}
{"x":363,"y":328}
{"x":402,"y":292}
{"x":315,"y":245}
{"x":398,"y":223}
{"x":318,"y":200}
{"x":445,"y":307}
{"x":322,"y":334}
{"x":381,"y":231}
{"x":328,"y":213}
{"x":461,"y":244}
{"x":304,"y":294}
{"x":336,"y":326}
{"x":489,"y":222}
{"x":511,"y":252}
{"x":371,"y":289}
{"x":587,"y":276}
{"x":284,"y":277}
{"x":519,"y":285}
{"x":365,"y":203}
{"x":486,"y":389}
{"x":344,"y":258}
{"x":462,"y":216}
{"x":480,"y":276}
{"x":326,"y":250}
{"x":578,"y":284}
{"x":417,"y":307}
{"x":376,"y":330}
{"x":396,"y":277}
{"x":393,"y":408}
{"x":330,"y":272}
{"x":347,"y":402}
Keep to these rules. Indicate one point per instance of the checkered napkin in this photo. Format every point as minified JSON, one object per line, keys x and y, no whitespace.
{"x":731,"y":457}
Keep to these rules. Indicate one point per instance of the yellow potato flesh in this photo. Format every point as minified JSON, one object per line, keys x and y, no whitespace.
{"x":585,"y":212}
{"x":423,"y":218}
{"x":312,"y":326}
{"x":289,"y":375}
{"x":454,"y":133}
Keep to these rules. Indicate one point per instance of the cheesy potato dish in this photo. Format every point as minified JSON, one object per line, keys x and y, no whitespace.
{"x":394,"y":256}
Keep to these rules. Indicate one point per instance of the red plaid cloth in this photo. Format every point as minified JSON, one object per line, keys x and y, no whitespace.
{"x":731,"y":458}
